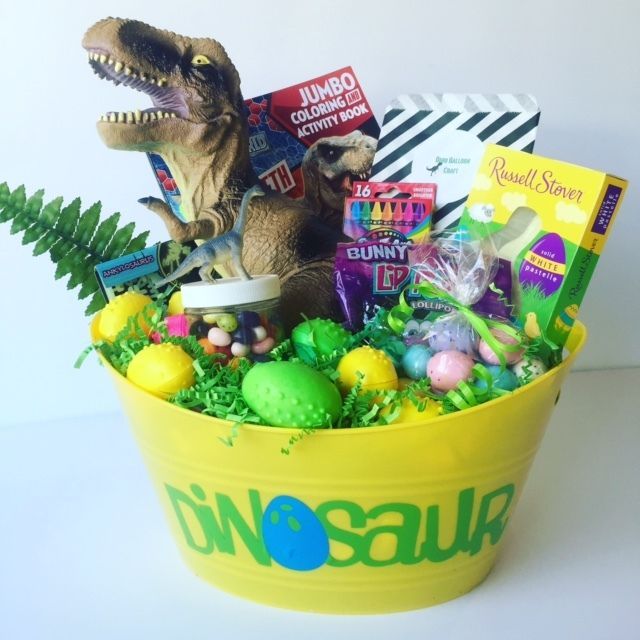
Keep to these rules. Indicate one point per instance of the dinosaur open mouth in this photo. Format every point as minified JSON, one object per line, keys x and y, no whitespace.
{"x":168,"y":102}
{"x":344,"y":182}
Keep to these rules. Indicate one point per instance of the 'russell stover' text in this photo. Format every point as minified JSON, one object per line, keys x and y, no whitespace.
{"x":324,"y":106}
{"x":544,"y":182}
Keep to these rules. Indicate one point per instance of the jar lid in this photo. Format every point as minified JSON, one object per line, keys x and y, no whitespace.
{"x":230,"y":291}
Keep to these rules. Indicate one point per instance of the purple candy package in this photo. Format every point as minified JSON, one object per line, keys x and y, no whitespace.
{"x":371,"y":275}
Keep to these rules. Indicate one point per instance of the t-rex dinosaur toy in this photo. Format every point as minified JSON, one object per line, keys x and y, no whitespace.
{"x":329,"y":168}
{"x":197,"y":125}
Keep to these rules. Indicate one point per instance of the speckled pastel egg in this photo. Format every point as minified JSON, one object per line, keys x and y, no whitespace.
{"x":488,"y":355}
{"x":318,"y":337}
{"x":291,"y":394}
{"x":504,"y":379}
{"x":294,"y":535}
{"x":415,"y":360}
{"x":115,"y":315}
{"x":447,"y":368}
{"x":375,"y":365}
{"x":161,"y":369}
{"x":453,"y":334}
{"x":218,"y":337}
{"x":528,"y":369}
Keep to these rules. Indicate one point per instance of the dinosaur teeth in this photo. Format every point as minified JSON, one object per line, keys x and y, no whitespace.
{"x":127,"y":71}
{"x":138,"y":115}
{"x":130,"y":118}
{"x":113,"y":117}
{"x":121,"y":117}
{"x":162,"y":82}
{"x":152,"y":116}
{"x":102,"y":58}
{"x":145,"y":117}
{"x":118,"y":67}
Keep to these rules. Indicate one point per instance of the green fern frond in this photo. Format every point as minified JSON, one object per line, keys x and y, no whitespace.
{"x":77,"y":241}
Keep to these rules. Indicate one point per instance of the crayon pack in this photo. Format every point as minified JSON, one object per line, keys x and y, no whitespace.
{"x":389,"y":211}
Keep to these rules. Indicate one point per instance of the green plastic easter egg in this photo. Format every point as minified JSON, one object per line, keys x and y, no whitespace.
{"x":316,"y":338}
{"x":291,"y":394}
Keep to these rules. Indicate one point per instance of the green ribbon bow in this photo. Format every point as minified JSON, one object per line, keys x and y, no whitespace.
{"x":403,"y":312}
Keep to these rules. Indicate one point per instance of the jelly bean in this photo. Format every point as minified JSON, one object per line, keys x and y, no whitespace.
{"x":240,"y":350}
{"x":199,"y":329}
{"x":249,"y":319}
{"x":209,"y":348}
{"x":211,"y":318}
{"x":218,"y":337}
{"x":263,"y":346}
{"x":244,"y":335}
{"x":260,"y":333}
{"x":227,"y":322}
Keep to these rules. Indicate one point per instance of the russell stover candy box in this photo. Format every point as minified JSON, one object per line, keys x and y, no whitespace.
{"x":551,"y":220}
{"x":391,"y":211}
{"x":285,"y":123}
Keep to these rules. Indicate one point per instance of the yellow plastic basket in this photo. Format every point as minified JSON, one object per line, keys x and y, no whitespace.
{"x":368,"y":520}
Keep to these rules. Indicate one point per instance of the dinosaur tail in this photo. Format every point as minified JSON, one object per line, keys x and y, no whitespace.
{"x":256,"y":190}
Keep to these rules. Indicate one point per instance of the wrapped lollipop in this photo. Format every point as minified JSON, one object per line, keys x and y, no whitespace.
{"x":458,"y":275}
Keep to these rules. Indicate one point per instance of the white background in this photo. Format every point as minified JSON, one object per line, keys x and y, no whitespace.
{"x":580,"y":61}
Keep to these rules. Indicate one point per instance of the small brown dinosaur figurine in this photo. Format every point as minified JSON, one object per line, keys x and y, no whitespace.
{"x":197,"y":125}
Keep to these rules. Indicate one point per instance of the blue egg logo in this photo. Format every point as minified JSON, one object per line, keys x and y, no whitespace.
{"x":293,"y":534}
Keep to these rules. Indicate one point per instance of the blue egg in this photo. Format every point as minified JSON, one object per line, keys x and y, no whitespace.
{"x":415,"y":360}
{"x":293,"y":534}
{"x":506,"y":379}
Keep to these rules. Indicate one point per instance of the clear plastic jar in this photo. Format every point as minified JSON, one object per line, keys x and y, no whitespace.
{"x":235,"y":317}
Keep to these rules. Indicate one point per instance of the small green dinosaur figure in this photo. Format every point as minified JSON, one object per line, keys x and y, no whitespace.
{"x":218,"y":250}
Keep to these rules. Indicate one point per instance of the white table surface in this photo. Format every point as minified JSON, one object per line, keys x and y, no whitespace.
{"x":85,"y":553}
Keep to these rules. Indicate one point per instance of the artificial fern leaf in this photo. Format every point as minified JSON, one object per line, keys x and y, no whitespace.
{"x":88,"y":223}
{"x":4,"y":194}
{"x":97,"y":303}
{"x":89,"y":286}
{"x":68,"y":219}
{"x":33,"y":233}
{"x":76,"y":242}
{"x":120,"y":240}
{"x":104,"y":234}
{"x":138,"y":243}
{"x":45,"y":243}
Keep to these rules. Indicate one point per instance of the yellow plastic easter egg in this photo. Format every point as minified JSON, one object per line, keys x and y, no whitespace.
{"x":410,"y":413}
{"x":114,"y":317}
{"x":375,"y":365}
{"x":175,"y":306}
{"x":161,"y":369}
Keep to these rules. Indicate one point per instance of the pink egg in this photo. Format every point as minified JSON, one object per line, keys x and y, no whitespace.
{"x":264,"y":346}
{"x":219,"y":337}
{"x":489,"y":356}
{"x":240,"y":350}
{"x":447,"y":368}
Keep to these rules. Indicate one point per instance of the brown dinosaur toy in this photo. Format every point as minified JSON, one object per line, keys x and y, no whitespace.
{"x":329,"y":168}
{"x":197,"y":125}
